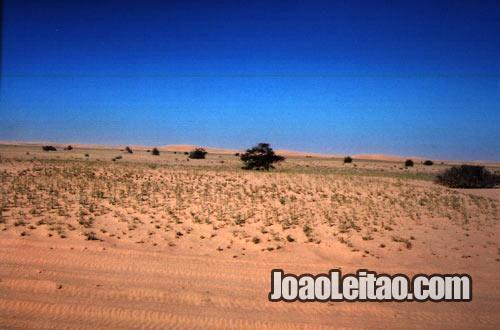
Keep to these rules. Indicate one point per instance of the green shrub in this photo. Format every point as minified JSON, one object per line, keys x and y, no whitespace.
{"x":49,"y":148}
{"x":468,"y":176}
{"x":198,"y":153}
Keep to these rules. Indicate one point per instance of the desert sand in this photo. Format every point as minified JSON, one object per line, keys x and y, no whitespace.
{"x":146,"y":241}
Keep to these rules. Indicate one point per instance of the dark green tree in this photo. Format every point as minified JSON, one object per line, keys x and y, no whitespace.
{"x":260,"y":157}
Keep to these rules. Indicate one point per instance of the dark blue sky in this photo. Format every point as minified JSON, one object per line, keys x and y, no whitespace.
{"x":400,"y":77}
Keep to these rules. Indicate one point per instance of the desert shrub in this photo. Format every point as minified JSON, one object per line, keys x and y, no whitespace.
{"x":68,"y":148}
{"x":127,"y":149}
{"x":468,"y":176}
{"x":49,"y":148}
{"x":91,"y":236}
{"x":198,"y":153}
{"x":237,"y":154}
{"x":260,"y":157}
{"x":347,"y":160}
{"x":408,"y":163}
{"x":155,"y":152}
{"x":428,"y":162}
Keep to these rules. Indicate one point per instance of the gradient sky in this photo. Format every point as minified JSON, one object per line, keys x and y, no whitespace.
{"x":419,"y":78}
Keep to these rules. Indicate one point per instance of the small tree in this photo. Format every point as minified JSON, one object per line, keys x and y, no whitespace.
{"x":260,"y":157}
{"x":127,"y":149}
{"x":468,"y":176}
{"x":428,"y":162}
{"x":347,"y":160}
{"x":198,"y":153}
{"x":409,"y":163}
{"x":155,"y":152}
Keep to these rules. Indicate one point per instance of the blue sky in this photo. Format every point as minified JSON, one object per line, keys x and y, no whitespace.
{"x":397,"y":77}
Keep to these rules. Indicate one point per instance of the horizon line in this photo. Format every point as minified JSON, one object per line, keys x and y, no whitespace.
{"x":313,"y":153}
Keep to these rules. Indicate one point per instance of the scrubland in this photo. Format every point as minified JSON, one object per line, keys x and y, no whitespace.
{"x":89,"y":238}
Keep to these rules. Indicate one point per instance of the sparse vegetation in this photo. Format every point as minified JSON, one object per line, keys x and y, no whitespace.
{"x":428,"y":162}
{"x":468,"y":176}
{"x":347,"y":160}
{"x":91,"y":236}
{"x":127,"y":149}
{"x":260,"y":157}
{"x":155,"y":152}
{"x":168,"y":205}
{"x":405,"y":241}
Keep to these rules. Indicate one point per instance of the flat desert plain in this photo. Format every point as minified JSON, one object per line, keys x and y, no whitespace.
{"x":100,"y":238}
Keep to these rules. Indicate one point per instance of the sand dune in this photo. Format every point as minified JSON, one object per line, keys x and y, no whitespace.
{"x":214,"y":150}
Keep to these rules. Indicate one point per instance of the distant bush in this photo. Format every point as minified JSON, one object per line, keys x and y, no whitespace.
{"x":260,"y":157}
{"x":237,"y":154}
{"x":347,"y":160}
{"x":186,"y":153}
{"x":468,"y":176}
{"x":428,"y":163}
{"x":49,"y":148}
{"x":409,"y":163}
{"x":198,"y":153}
{"x":69,"y":148}
{"x":155,"y":152}
{"x":127,"y":149}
